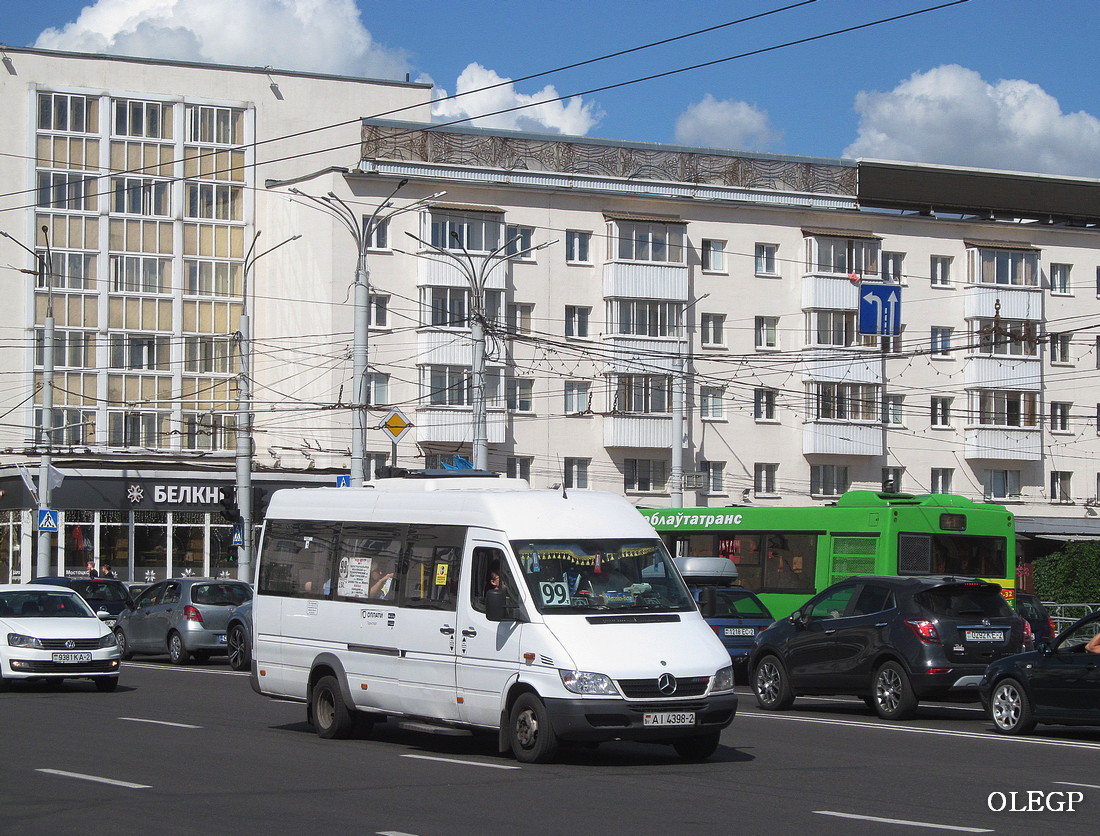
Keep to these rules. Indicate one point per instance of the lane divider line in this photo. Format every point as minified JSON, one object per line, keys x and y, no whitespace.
{"x":160,"y":723}
{"x":462,"y":762}
{"x":96,"y":778}
{"x":906,"y":822}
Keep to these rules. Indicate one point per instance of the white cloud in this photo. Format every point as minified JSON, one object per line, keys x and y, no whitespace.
{"x":324,"y":36}
{"x":572,"y":117}
{"x":950,"y":115}
{"x":726,"y":124}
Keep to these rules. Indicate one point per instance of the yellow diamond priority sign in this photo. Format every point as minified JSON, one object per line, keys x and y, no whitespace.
{"x":395,"y":425}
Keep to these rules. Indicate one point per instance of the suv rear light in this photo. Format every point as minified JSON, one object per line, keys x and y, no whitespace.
{"x":1053,"y":629}
{"x":192,"y":614}
{"x":1029,"y":634}
{"x":925,"y":631}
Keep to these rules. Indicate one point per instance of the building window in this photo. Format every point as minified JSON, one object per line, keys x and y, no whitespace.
{"x":645,"y":393}
{"x":844,"y":401}
{"x":644,"y":318}
{"x":767,"y":332}
{"x":214,"y":125}
{"x":1059,"y":278}
{"x":209,"y":431}
{"x":378,"y":311}
{"x":1059,"y":416}
{"x":941,"y":341}
{"x":940,"y":270}
{"x":70,"y":426}
{"x":645,"y":475}
{"x":844,"y":256}
{"x":214,"y":202}
{"x":69,"y":271}
{"x":63,"y":190}
{"x":892,"y":267}
{"x":766,"y":264}
{"x":140,"y":274}
{"x":213,"y":278}
{"x":713,"y":255}
{"x":577,"y":246}
{"x":1060,"y":486}
{"x":1059,"y":348}
{"x":447,"y":306}
{"x":71,"y":349}
{"x":764,"y":404}
{"x":519,"y":394}
{"x":576,"y":397}
{"x":832,"y":328}
{"x":712,"y":329}
{"x":714,"y":474}
{"x":710,"y":403}
{"x":378,"y":236}
{"x":941,"y":412}
{"x":519,"y":317}
{"x":449,"y":386}
{"x":892,"y":410}
{"x":64,"y":112}
{"x":941,"y":479}
{"x":148,"y":120}
{"x":1004,"y":408}
{"x":207,"y":355}
{"x":133,"y":429}
{"x":576,"y":321}
{"x":139,"y":351}
{"x":828,"y":479}
{"x":470,"y":231}
{"x":576,"y":473}
{"x":1011,"y":267}
{"x":378,"y":389}
{"x":519,"y":242}
{"x":140,"y":196}
{"x":1002,"y":484}
{"x":646,"y":241}
{"x":1006,"y":337}
{"x":891,"y":479}
{"x":519,"y":467}
{"x":764,"y":478}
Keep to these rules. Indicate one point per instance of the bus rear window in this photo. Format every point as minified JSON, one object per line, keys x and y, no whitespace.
{"x":952,"y":554}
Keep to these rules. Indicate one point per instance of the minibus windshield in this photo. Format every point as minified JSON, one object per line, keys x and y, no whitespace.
{"x":608,"y":574}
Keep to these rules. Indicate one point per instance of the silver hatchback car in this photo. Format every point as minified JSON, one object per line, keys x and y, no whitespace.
{"x":183,"y":617}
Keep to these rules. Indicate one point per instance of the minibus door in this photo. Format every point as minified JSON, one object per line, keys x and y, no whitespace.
{"x":488,"y":652}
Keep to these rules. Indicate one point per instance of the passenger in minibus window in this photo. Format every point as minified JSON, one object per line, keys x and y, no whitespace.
{"x":381,"y":582}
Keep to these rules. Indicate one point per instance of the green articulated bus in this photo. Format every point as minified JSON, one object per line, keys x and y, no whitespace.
{"x":786,"y":554}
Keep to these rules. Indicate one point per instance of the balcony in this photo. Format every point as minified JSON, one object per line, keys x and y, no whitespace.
{"x":1017,"y":302}
{"x":455,"y":425}
{"x":830,"y":365}
{"x":842,"y":439}
{"x":831,"y":292}
{"x":1016,"y":444}
{"x":626,"y":354}
{"x":985,"y":371}
{"x":629,"y":280}
{"x":435,"y":272}
{"x":642,"y":431}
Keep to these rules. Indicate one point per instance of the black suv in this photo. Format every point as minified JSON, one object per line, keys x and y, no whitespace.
{"x":891,"y":640}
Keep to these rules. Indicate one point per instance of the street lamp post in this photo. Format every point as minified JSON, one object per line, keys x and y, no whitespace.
{"x":477,"y":274}
{"x":363,"y":233}
{"x":245,"y":443}
{"x":44,"y":273}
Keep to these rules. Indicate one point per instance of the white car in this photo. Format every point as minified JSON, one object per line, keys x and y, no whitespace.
{"x":50,"y":633}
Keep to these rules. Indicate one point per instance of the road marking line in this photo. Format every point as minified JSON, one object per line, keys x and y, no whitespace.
{"x":95,"y":778}
{"x":160,"y":722}
{"x":1073,"y":784}
{"x":181,"y":669}
{"x":1035,"y":741}
{"x":905,"y":822}
{"x":464,"y":763}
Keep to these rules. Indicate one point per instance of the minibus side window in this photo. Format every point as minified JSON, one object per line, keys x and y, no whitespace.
{"x":369,"y":556}
{"x":297,"y":560}
{"x":428,"y":569}
{"x":485,"y":562}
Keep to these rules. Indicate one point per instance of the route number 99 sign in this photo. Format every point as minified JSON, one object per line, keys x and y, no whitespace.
{"x":554,"y":593}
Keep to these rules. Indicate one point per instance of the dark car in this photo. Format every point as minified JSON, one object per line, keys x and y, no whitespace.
{"x":891,"y":640}
{"x":1059,"y":682}
{"x":183,"y":617}
{"x":734,"y":613}
{"x":238,"y":637}
{"x":1031,"y":609}
{"x":107,"y":598}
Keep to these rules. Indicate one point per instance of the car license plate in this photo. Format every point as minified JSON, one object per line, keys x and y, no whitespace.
{"x":984,"y":635}
{"x":670,"y":718}
{"x":72,"y":658}
{"x":738,"y":631}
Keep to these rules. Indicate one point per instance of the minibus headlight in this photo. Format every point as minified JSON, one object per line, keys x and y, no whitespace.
{"x":19,"y":640}
{"x":583,"y":682}
{"x":723,"y":680}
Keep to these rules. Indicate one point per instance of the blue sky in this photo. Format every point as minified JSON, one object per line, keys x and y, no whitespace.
{"x":988,"y":83}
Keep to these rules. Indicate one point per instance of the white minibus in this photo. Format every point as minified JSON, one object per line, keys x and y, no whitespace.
{"x":477,"y":603}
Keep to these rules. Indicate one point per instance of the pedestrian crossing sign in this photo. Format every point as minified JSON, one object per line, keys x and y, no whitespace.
{"x":47,"y":520}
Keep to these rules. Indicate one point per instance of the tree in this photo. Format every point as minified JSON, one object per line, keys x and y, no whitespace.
{"x":1070,"y":575}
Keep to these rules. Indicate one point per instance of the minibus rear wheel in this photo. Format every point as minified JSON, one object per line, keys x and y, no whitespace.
{"x":330,"y":716}
{"x":530,"y":731}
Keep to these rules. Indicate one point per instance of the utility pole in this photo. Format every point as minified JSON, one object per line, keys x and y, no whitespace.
{"x":245,"y":443}
{"x":477,"y":274}
{"x":362,"y":231}
{"x":44,"y":275}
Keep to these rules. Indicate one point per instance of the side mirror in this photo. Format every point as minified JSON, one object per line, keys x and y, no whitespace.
{"x":708,"y":601}
{"x":1045,"y":648}
{"x":496,"y":605}
{"x":798,"y":619}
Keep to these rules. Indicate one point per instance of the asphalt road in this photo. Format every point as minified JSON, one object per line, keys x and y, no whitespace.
{"x":193,"y":750}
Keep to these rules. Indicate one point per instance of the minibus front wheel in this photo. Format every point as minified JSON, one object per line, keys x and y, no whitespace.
{"x":531,"y":732}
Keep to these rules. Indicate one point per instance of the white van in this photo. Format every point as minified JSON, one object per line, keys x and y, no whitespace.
{"x":378,"y":602}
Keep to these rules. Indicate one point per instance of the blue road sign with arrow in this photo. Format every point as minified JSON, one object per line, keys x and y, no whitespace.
{"x":880,"y":310}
